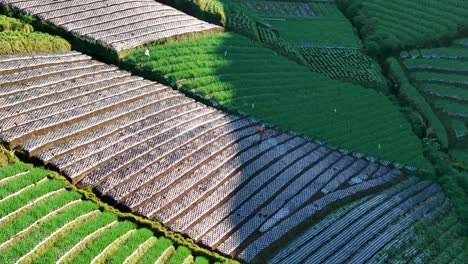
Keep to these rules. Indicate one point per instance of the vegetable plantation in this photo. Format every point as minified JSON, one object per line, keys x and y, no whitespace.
{"x":164,"y":156}
{"x":370,"y":224}
{"x":390,"y":25}
{"x":43,"y":222}
{"x":440,"y":75}
{"x":240,"y":74}
{"x":314,"y":32}
{"x":286,"y":144}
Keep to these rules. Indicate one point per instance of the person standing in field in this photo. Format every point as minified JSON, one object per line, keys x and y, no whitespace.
{"x":261,"y":133}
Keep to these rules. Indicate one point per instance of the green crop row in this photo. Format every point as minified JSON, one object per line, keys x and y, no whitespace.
{"x":132,"y":244}
{"x":156,"y":251}
{"x":180,"y":255}
{"x":13,"y":170}
{"x":10,"y":205}
{"x":19,"y":183}
{"x":345,"y":64}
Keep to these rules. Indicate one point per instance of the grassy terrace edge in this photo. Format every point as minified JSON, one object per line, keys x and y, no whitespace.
{"x":7,"y":156}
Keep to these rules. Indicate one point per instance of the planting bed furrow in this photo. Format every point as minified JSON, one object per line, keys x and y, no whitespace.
{"x":376,"y":227}
{"x":113,"y":247}
{"x":30,"y":57}
{"x":32,"y":99}
{"x":380,"y":172}
{"x":161,"y":20}
{"x":236,"y":217}
{"x":211,"y":173}
{"x":162,"y":110}
{"x":382,"y":215}
{"x":19,"y":65}
{"x":21,"y":84}
{"x":285,"y":226}
{"x":19,"y":183}
{"x":150,"y":29}
{"x":157,"y":124}
{"x":228,"y":207}
{"x":76,"y":249}
{"x":132,"y":136}
{"x":246,"y":176}
{"x":341,"y":223}
{"x":132,"y":42}
{"x":36,"y":5}
{"x":183,"y":159}
{"x":342,"y":177}
{"x":23,"y":200}
{"x":59,"y":233}
{"x":364,"y":175}
{"x":148,"y":149}
{"x":75,"y":72}
{"x":80,"y":126}
{"x":211,"y":184}
{"x":288,"y":200}
{"x":123,"y":17}
{"x":65,"y":106}
{"x":73,"y":8}
{"x":36,"y":127}
{"x":335,"y":167}
{"x":390,"y":233}
{"x":5,"y":197}
{"x":308,"y":235}
{"x":164,"y":156}
{"x":29,"y":75}
{"x":91,"y":18}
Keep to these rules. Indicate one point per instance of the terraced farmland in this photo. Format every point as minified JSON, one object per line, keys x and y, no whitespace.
{"x":164,"y":156}
{"x":358,"y":231}
{"x":400,"y":24}
{"x":119,"y":24}
{"x":235,"y":72}
{"x":43,"y":222}
{"x":440,"y":241}
{"x":211,"y":175}
{"x":441,"y":75}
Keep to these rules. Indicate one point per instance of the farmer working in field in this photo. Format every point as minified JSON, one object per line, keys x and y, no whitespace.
{"x":261,"y":133}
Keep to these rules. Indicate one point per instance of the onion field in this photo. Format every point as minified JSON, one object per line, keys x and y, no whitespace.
{"x":323,"y":36}
{"x":43,"y":222}
{"x":400,"y":24}
{"x":239,"y":74}
{"x":295,"y":142}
